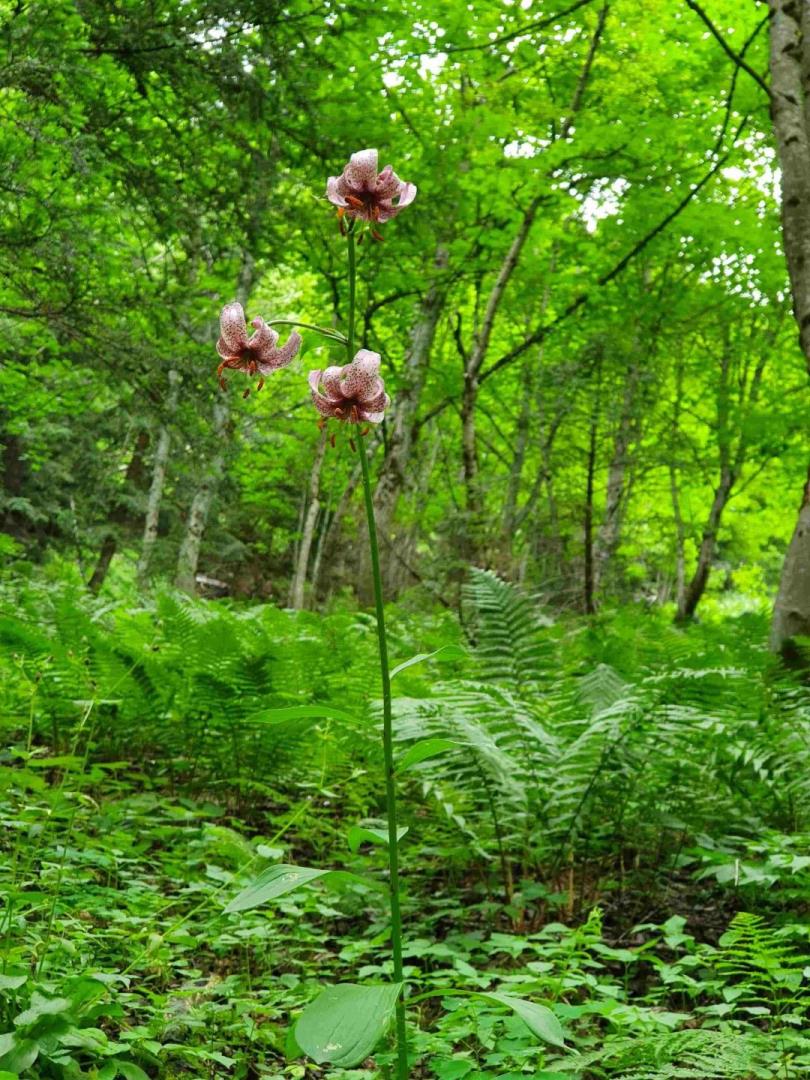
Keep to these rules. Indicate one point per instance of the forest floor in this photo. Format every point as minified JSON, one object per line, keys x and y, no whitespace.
{"x":663,"y":953}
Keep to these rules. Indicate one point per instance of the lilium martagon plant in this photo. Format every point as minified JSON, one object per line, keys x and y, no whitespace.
{"x":346,"y":1022}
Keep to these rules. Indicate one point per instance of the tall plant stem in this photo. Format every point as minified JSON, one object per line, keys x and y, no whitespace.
{"x":352,"y":253}
{"x":390,"y":778}
{"x":388,"y":733}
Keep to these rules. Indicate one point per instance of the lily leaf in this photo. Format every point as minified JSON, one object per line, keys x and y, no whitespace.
{"x":443,"y":655}
{"x":277,"y":880}
{"x":540,"y":1020}
{"x":345,"y":1022}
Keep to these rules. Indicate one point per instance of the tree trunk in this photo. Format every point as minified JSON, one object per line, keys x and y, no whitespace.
{"x":308,"y":531}
{"x":697,"y":585}
{"x":791,"y":613}
{"x":150,"y":529}
{"x":121,"y":513}
{"x":680,"y":531}
{"x":401,"y":431}
{"x":790,"y":69}
{"x":590,"y":592}
{"x":474,"y":361}
{"x":610,"y":529}
{"x":527,"y":405}
{"x":189,"y":555}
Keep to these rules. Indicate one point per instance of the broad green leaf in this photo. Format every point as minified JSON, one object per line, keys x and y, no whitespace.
{"x":131,"y":1071}
{"x":538,"y":1019}
{"x":12,"y":982}
{"x":442,"y":655}
{"x":422,"y":750}
{"x":361,"y":834}
{"x":345,"y":1022}
{"x":299,"y":712}
{"x":42,"y":1006}
{"x":17,"y":1055}
{"x":277,"y":880}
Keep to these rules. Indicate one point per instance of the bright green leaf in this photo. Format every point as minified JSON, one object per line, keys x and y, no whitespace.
{"x":422,"y":750}
{"x":345,"y":1022}
{"x":299,"y":712}
{"x":131,"y":1071}
{"x":361,"y":834}
{"x":442,"y":655}
{"x":540,"y":1021}
{"x":277,"y":880}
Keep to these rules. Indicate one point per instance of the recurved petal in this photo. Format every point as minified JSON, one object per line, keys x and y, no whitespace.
{"x":375,"y":391}
{"x":331,"y":383}
{"x":407,"y":193}
{"x":226,"y":352}
{"x":233,"y":327}
{"x":361,"y":172}
{"x":387,"y":183}
{"x":322,"y":404}
{"x":333,"y":190}
{"x":263,"y":341}
{"x":377,"y":400}
{"x":360,"y":375}
{"x":314,"y":380}
{"x":367,"y":416}
{"x":279,"y":358}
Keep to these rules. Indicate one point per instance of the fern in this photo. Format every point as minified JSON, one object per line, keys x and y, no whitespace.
{"x":691,"y":1054}
{"x":559,"y":753}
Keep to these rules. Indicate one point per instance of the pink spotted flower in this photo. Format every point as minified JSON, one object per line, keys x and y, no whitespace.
{"x":361,"y":192}
{"x":354,"y":393}
{"x":256,"y":354}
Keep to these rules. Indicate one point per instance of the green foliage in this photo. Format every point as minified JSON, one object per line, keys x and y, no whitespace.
{"x":122,"y":856}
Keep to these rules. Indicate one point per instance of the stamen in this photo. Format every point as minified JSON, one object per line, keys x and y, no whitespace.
{"x":246,"y":394}
{"x":351,"y":444}
{"x":376,"y":235}
{"x":260,"y":384}
{"x":332,"y":440}
{"x":364,"y":432}
{"x":354,"y":202}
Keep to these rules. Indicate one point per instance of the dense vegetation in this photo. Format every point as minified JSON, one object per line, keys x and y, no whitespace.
{"x":585,"y":488}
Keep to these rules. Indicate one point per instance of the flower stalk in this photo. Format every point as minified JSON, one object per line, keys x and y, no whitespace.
{"x":388,"y":731}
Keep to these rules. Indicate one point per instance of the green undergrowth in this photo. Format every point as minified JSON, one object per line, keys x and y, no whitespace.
{"x":618,"y":828}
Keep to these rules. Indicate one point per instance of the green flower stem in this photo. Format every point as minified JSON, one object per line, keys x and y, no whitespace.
{"x":352,"y":292}
{"x":333,"y":335}
{"x":390,"y":781}
{"x":388,"y":734}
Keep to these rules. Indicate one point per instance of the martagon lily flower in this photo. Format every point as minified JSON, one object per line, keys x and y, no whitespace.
{"x":255,"y":354}
{"x":354,"y":393}
{"x":361,"y":192}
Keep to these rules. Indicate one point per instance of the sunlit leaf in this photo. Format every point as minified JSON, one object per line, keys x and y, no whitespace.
{"x":345,"y":1022}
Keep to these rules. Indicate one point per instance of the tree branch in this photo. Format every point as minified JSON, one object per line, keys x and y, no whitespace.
{"x":724,"y":45}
